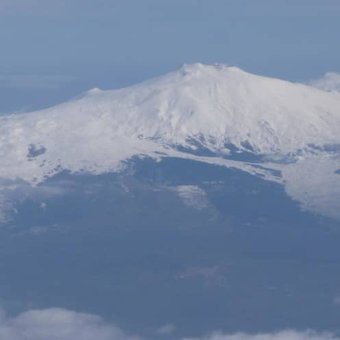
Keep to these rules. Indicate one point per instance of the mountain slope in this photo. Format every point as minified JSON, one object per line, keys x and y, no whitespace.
{"x":210,"y":106}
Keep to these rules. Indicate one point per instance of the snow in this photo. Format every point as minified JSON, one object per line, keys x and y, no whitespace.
{"x":314,"y":182}
{"x":208,"y":105}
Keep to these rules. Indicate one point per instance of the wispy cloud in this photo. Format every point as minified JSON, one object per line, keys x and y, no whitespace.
{"x":329,"y":82}
{"x":166,"y":329}
{"x":6,"y":208}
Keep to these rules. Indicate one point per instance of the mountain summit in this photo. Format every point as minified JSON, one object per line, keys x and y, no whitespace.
{"x":211,"y":106}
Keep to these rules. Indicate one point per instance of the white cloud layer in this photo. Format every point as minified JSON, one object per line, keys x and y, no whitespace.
{"x":284,"y":335}
{"x":58,"y":324}
{"x":61,"y":324}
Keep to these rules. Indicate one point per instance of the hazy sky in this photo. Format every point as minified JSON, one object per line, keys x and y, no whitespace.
{"x":53,"y":49}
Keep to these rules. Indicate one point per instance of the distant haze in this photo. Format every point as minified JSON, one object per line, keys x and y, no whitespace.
{"x":53,"y":50}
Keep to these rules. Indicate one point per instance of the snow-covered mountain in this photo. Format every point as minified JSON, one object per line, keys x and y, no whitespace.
{"x":205,"y":199}
{"x":212,"y":107}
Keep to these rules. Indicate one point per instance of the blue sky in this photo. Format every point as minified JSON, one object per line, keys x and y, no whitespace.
{"x":52,"y":50}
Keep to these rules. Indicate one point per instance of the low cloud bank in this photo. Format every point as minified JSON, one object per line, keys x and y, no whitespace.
{"x":58,"y":324}
{"x":284,"y":335}
{"x":61,"y":324}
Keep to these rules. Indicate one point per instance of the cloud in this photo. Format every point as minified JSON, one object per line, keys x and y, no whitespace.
{"x":34,"y":81}
{"x":6,"y":208}
{"x":329,"y":82}
{"x":284,"y":335}
{"x":336,"y":300}
{"x":193,"y":196}
{"x":58,"y":324}
{"x":62,"y":324}
{"x":166,"y":329}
